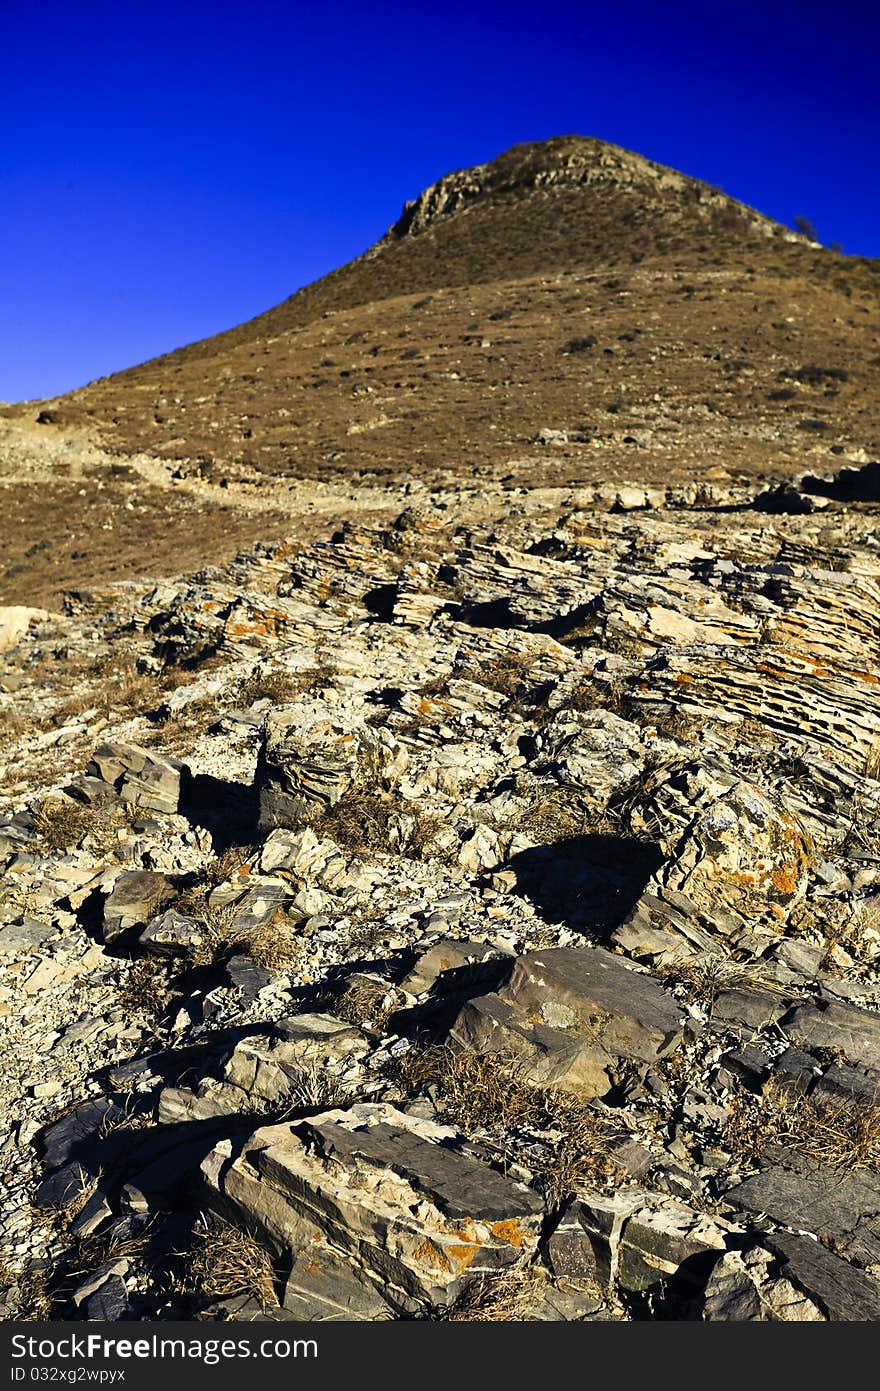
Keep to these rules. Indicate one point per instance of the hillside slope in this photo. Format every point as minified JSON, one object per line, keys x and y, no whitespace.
{"x":568,"y":286}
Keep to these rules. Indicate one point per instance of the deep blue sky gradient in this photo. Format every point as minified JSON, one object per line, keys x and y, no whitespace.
{"x":168,"y":170}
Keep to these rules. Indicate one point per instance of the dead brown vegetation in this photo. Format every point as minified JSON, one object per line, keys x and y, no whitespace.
{"x":842,"y":1133}
{"x":506,"y":1297}
{"x":224,"y":1262}
{"x":487,"y":1093}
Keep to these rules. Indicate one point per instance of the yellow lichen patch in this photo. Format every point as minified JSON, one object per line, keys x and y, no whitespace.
{"x":433,"y":707}
{"x":465,"y":1232}
{"x":509,"y":1231}
{"x":462,"y":1255}
{"x":785,"y":880}
{"x":430,"y":1255}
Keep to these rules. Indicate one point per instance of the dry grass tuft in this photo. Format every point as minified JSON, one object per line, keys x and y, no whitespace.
{"x":275,"y":946}
{"x":842,"y":1133}
{"x":145,"y":991}
{"x":64,"y":1213}
{"x":281,"y":686}
{"x":509,"y":675}
{"x":706,"y":974}
{"x":89,"y":1253}
{"x":368,"y":822}
{"x":229,"y":864}
{"x":310,"y":1087}
{"x":113,"y":687}
{"x":221,"y":935}
{"x":421,"y":842}
{"x":358,"y":822}
{"x":61,"y":822}
{"x":367,"y":1001}
{"x":506,"y":1297}
{"x":29,"y":1298}
{"x":224,"y":1262}
{"x":127,"y":1118}
{"x":561,"y":814}
{"x":488,"y":1093}
{"x":471,"y":1091}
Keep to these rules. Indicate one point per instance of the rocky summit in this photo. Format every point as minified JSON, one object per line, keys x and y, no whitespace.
{"x":442,"y":876}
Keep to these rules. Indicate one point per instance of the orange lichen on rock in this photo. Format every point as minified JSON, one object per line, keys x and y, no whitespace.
{"x":430,"y":1255}
{"x":509,"y":1231}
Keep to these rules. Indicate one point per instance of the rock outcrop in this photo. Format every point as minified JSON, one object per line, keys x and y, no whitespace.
{"x":461,"y":921}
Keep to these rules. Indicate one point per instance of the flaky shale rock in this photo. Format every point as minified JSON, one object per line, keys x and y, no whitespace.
{"x":390,"y":1192}
{"x":570,"y":1016}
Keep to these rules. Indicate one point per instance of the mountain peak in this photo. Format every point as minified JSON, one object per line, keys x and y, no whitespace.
{"x":574,"y":162}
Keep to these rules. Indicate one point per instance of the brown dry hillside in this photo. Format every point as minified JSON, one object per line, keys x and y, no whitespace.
{"x":568,"y":313}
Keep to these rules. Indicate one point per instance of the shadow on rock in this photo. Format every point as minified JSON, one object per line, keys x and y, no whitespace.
{"x":228,"y":810}
{"x":587,"y":882}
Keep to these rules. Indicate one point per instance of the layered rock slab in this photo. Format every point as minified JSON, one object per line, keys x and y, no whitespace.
{"x":390,"y":1192}
{"x":571,"y":1016}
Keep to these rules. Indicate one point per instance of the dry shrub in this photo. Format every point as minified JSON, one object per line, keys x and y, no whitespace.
{"x":707,"y":974}
{"x":29,"y":1298}
{"x":114,"y":687}
{"x":358,"y":822}
{"x":426,"y":826}
{"x":145,"y":990}
{"x":225,"y":1262}
{"x":221,"y":935}
{"x":66,"y":1212}
{"x":310,"y":1087}
{"x":560,"y":814}
{"x":506,"y":1297}
{"x":842,"y":1133}
{"x":509,"y":675}
{"x":488,"y":1093}
{"x":364,"y":823}
{"x":366,"y":1000}
{"x":274,"y":944}
{"x":280,"y":686}
{"x":126,"y":1117}
{"x":13,"y":727}
{"x":61,"y":822}
{"x":89,"y":1253}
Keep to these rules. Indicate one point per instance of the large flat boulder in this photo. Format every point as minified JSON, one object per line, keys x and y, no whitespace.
{"x":570,"y":1015}
{"x":837,"y":1206}
{"x":789,"y":1278}
{"x":136,"y":897}
{"x":139,"y":776}
{"x":827,"y":1024}
{"x":391,"y":1192}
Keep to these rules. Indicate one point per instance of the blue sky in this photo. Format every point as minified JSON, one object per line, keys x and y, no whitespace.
{"x":170,"y":170}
